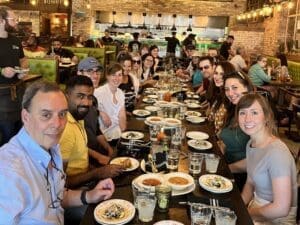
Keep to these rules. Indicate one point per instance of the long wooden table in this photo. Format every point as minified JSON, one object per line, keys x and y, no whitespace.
{"x":177,"y":211}
{"x":278,"y":83}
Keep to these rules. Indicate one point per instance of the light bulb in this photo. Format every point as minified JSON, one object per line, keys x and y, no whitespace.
{"x":290,"y":5}
{"x":278,"y":8}
{"x":88,"y":6}
{"x":66,"y":3}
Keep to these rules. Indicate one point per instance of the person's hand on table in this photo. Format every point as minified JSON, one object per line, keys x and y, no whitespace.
{"x":103,"y":191}
{"x":110,"y":171}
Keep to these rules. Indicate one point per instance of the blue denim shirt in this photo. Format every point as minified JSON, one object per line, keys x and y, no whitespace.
{"x":28,"y":193}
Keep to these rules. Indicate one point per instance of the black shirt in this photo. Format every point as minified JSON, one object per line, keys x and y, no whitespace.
{"x":134,"y":46}
{"x":63,"y":53}
{"x":225,"y":47}
{"x":172,"y":43}
{"x":107,"y":40}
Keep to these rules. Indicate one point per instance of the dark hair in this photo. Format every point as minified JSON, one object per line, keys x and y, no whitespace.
{"x":209,"y":58}
{"x":135,"y":34}
{"x":143,"y":59}
{"x":34,"y":88}
{"x":216,"y":94}
{"x":124,"y":57}
{"x":78,"y":80}
{"x":4,"y":12}
{"x":152,"y":47}
{"x":246,"y":82}
{"x":113,"y":68}
{"x":247,"y":100}
{"x":283,"y":59}
{"x":89,"y":43}
{"x":231,"y":36}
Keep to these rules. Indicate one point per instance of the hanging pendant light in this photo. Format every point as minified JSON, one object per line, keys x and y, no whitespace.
{"x":190,"y":23}
{"x":129,"y":19}
{"x":114,"y":25}
{"x":174,"y":27}
{"x":144,"y":23}
{"x":158,"y":27}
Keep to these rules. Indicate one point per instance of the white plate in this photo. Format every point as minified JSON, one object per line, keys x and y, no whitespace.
{"x":134,"y":163}
{"x":195,"y":119}
{"x":152,"y":108}
{"x":129,"y":212}
{"x":207,"y":182}
{"x":141,"y":112}
{"x":139,"y":181}
{"x":171,"y":122}
{"x":191,"y":101}
{"x":176,"y":186}
{"x":168,"y":222}
{"x":200,"y":144}
{"x":162,"y":103}
{"x":197,"y":135}
{"x":193,"y":105}
{"x":148,"y":100}
{"x":132,"y":135}
{"x":154,"y":120}
{"x":192,"y":113}
{"x":184,"y":191}
{"x":152,"y":96}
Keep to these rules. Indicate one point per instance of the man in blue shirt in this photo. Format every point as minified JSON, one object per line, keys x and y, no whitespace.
{"x":31,"y":171}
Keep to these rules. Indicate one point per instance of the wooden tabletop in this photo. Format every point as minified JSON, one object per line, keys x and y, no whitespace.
{"x":177,"y":211}
{"x":285,"y":84}
{"x":31,"y":77}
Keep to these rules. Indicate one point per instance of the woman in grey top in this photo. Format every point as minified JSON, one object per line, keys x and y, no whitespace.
{"x":271,"y":187}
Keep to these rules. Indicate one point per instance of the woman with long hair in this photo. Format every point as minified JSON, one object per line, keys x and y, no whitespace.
{"x":232,"y":140}
{"x":271,"y":187}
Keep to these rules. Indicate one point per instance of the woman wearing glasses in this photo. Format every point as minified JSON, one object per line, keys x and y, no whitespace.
{"x":271,"y":188}
{"x":147,"y":73}
{"x":233,"y":140}
{"x":257,"y":73}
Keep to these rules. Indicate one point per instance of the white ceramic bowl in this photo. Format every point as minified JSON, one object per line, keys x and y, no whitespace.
{"x":181,"y":177}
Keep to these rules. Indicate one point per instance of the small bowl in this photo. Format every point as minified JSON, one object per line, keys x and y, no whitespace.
{"x":177,"y":185}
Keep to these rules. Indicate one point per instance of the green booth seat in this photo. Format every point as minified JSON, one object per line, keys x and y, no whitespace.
{"x":48,"y":68}
{"x":98,"y":53}
{"x":293,"y":67}
{"x":81,"y":55}
{"x":112,"y":56}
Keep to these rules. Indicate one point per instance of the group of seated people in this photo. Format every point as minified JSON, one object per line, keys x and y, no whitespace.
{"x":86,"y":123}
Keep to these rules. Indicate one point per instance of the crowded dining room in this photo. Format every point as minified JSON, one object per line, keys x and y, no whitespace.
{"x":178,"y":112}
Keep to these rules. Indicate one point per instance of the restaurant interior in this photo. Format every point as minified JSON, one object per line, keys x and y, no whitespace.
{"x":261,"y":27}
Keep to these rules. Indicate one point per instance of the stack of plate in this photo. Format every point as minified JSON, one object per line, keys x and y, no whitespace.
{"x":198,"y":140}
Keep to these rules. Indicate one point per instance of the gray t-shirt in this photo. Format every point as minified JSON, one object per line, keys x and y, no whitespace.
{"x":272,"y":161}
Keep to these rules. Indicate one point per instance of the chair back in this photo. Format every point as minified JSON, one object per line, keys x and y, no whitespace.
{"x":48,"y":68}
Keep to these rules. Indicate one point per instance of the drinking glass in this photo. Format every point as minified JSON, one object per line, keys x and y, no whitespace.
{"x":173,"y":159}
{"x":153,"y":131}
{"x":225,"y":217}
{"x":200,"y":215}
{"x":163,"y":195}
{"x":146,"y":205}
{"x":211,"y":163}
{"x":195,"y":163}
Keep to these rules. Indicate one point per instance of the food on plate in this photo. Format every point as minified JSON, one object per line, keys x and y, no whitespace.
{"x":131,"y":135}
{"x":200,"y":143}
{"x":151,"y":182}
{"x":178,"y":180}
{"x":192,"y":113}
{"x":172,"y":121}
{"x":216,"y":182}
{"x":115,"y":211}
{"x":155,"y":119}
{"x":126,"y":163}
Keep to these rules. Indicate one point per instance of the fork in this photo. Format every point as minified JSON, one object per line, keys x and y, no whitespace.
{"x":215,"y":204}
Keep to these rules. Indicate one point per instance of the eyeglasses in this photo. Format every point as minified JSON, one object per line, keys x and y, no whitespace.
{"x":149,"y":60}
{"x":204,"y":67}
{"x":136,"y":61}
{"x":55,"y":203}
{"x":91,"y":71}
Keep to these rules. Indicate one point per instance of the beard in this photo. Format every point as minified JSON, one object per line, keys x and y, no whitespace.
{"x":80,"y":112}
{"x":10,"y":29}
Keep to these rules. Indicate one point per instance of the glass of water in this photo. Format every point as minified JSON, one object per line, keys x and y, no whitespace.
{"x":225,"y":217}
{"x":173,"y":159}
{"x":195,"y":163}
{"x":146,"y":205}
{"x":200,"y":215}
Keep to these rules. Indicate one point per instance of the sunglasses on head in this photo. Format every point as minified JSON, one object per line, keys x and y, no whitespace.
{"x":136,"y":61}
{"x":204,"y":67}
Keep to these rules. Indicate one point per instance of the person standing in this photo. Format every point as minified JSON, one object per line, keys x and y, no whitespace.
{"x":225,"y":49}
{"x":172,"y":44}
{"x":31,"y":166}
{"x":11,"y":85}
{"x":135,"y":45}
{"x":106,"y":39}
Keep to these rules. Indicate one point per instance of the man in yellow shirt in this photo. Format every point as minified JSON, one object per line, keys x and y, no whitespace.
{"x":73,"y":143}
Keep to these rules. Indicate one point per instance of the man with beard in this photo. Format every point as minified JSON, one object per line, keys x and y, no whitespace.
{"x":73,"y":145}
{"x":11,"y":85}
